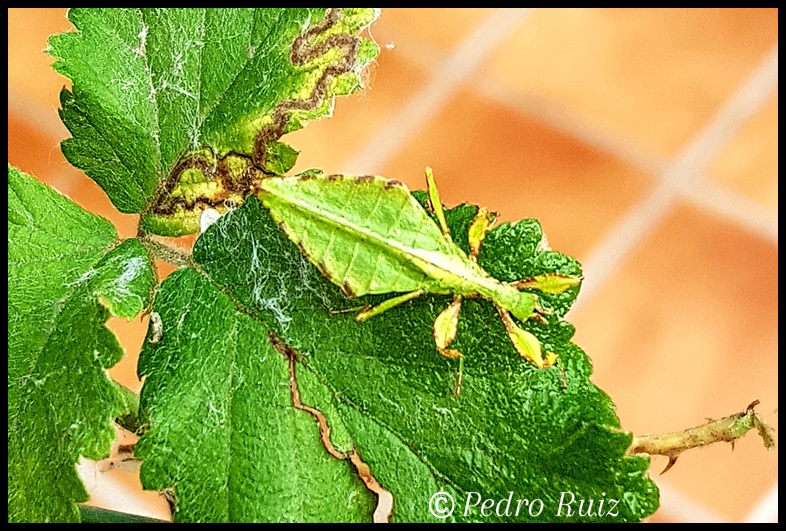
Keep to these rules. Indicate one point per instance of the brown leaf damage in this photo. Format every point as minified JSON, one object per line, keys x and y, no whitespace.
{"x":384,"y":497}
{"x":234,"y":176}
{"x":305,"y":49}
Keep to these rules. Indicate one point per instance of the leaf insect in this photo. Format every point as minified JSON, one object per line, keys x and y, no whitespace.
{"x":369,"y":235}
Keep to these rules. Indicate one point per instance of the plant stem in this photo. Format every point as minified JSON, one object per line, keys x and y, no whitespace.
{"x":726,"y":429}
{"x":173,"y":255}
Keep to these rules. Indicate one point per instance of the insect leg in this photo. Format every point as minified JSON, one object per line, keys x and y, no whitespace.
{"x":526,"y":344}
{"x":552,"y":283}
{"x":368,"y":312}
{"x":445,"y":328}
{"x":436,"y":203}
{"x":540,"y":313}
{"x":478,"y":229}
{"x":460,"y":377}
{"x":354,"y":309}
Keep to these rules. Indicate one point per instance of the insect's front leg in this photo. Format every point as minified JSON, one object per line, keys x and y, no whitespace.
{"x":436,"y":203}
{"x":480,"y":226}
{"x":551,"y":283}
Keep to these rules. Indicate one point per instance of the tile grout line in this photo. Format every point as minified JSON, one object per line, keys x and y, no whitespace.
{"x":444,"y":82}
{"x":595,"y":137}
{"x":738,"y":207}
{"x":677,"y":179}
{"x":766,"y":509}
{"x":744,"y":212}
{"x":745,"y":101}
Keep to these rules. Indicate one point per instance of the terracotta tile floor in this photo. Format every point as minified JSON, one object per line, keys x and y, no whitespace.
{"x":519,"y":167}
{"x":644,"y":140}
{"x":655,"y":76}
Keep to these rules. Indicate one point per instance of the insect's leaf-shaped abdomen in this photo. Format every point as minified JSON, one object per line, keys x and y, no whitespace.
{"x":366,"y":234}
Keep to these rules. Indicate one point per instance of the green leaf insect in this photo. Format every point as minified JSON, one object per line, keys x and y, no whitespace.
{"x":369,"y":235}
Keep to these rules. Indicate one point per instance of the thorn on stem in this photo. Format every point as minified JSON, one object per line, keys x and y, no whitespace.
{"x":672,"y":460}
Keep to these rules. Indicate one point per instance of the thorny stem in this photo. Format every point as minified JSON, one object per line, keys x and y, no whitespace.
{"x":726,"y":429}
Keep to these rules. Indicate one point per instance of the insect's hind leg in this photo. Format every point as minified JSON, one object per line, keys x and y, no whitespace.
{"x":368,"y":312}
{"x":525,"y":343}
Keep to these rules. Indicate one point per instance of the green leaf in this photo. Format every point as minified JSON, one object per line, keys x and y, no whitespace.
{"x":222,"y":431}
{"x":383,"y":389}
{"x":152,"y":85}
{"x":97,"y":515}
{"x":67,"y":272}
{"x":517,"y":251}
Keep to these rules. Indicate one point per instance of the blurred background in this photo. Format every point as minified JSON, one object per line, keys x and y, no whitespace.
{"x":645,"y":142}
